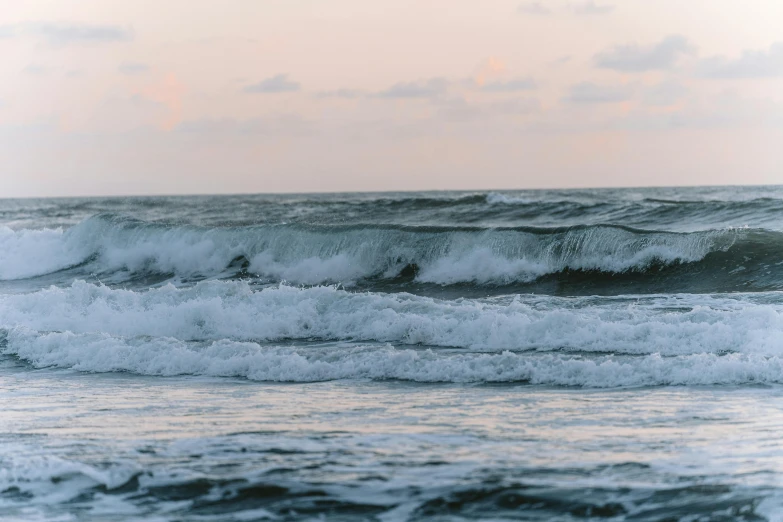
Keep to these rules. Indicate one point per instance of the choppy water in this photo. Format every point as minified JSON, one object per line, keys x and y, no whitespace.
{"x":531,"y":355}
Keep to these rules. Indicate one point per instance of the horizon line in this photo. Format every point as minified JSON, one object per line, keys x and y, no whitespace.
{"x":403,"y":191}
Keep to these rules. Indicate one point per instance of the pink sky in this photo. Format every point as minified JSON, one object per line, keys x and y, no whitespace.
{"x":142,"y":97}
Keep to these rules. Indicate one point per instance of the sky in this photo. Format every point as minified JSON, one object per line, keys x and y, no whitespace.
{"x":110,"y":97}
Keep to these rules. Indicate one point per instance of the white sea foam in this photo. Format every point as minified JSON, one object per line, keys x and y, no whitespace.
{"x":481,"y":266}
{"x":168,"y":356}
{"x":28,"y":253}
{"x":495,"y":198}
{"x":51,"y":479}
{"x":313,"y":255}
{"x":234,"y":310}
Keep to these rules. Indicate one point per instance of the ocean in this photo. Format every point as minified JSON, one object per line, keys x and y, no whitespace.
{"x":612,"y":354}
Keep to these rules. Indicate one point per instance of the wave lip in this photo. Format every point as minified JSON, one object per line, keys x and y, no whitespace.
{"x":494,"y":198}
{"x":112,"y":246}
{"x":30,"y":253}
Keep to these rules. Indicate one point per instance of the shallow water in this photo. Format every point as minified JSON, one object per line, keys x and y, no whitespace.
{"x":563,"y":355}
{"x":123,"y":447}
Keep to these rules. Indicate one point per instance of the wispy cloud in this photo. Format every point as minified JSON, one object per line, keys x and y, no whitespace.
{"x":589,"y":8}
{"x":8,"y":31}
{"x":421,"y":89}
{"x":665,"y":94}
{"x":728,"y":110}
{"x":640,"y":58}
{"x":488,"y":68}
{"x":275,"y":84}
{"x":592,"y":93}
{"x":275,"y":125}
{"x":534,"y":8}
{"x":349,"y":94}
{"x":751,"y":64}
{"x":35,"y":70}
{"x":167,"y":93}
{"x":131,"y":68}
{"x":63,"y":34}
{"x":515,"y":85}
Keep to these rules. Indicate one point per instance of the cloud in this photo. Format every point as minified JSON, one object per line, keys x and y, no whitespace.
{"x":589,"y":8}
{"x":591,"y":93}
{"x":638,"y":58}
{"x":272,"y":125}
{"x":459,"y":110}
{"x":168,"y":93}
{"x":751,"y":64}
{"x":131,"y":68}
{"x":117,"y":112}
{"x":62,"y":34}
{"x":664,"y":94}
{"x":74,"y":73}
{"x":435,"y":88}
{"x":35,"y":70}
{"x":519,"y":84}
{"x":534,"y":8}
{"x":490,"y":67}
{"x":278,"y":83}
{"x":422,"y":89}
{"x":349,"y":94}
{"x":7,"y":31}
{"x":585,"y":8}
{"x":728,"y":110}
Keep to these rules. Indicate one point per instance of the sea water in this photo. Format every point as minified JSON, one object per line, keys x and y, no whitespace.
{"x":516,"y":355}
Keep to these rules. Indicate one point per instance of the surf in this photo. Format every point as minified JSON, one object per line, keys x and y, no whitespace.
{"x":117,"y":249}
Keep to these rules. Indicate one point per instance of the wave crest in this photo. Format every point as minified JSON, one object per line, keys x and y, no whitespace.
{"x":112,"y":246}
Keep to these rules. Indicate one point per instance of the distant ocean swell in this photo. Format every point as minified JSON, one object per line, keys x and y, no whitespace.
{"x":532,"y":208}
{"x":123,"y":249}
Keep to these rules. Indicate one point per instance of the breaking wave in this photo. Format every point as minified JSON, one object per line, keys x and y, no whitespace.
{"x":118,"y":249}
{"x":234,"y":310}
{"x":168,"y":356}
{"x":324,"y":333}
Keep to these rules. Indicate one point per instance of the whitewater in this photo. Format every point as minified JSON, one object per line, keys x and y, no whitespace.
{"x":512,"y":355}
